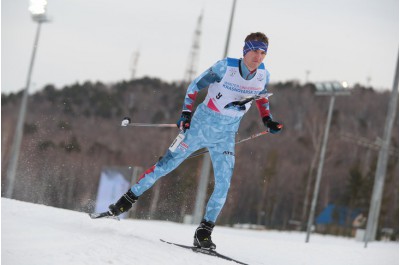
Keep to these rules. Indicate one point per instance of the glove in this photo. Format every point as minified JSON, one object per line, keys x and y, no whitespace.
{"x":273,"y":126}
{"x":184,"y":122}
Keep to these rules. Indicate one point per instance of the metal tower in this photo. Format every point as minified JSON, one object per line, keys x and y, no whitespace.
{"x":191,"y":69}
{"x":134,"y":62}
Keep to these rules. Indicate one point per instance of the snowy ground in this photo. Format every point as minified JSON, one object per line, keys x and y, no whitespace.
{"x":34,"y":234}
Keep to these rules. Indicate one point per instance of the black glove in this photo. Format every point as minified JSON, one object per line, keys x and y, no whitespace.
{"x":273,"y":126}
{"x":184,"y":122}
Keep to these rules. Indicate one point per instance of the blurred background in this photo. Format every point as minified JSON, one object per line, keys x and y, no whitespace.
{"x":83,"y":65}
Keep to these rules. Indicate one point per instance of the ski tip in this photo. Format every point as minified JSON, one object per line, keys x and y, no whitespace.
{"x":95,"y":215}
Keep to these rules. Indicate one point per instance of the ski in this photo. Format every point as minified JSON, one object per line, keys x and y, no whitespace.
{"x":103,"y":215}
{"x":204,"y":251}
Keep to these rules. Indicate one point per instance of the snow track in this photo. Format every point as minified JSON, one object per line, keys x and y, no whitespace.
{"x":40,"y":235}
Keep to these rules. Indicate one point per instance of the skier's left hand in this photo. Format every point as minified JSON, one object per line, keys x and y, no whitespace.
{"x":273,"y":126}
{"x":184,"y":122}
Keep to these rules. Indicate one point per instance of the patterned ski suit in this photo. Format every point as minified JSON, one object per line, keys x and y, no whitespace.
{"x":213,"y":126}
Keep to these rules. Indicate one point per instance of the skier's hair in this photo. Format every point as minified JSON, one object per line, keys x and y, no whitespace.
{"x":257,"y":36}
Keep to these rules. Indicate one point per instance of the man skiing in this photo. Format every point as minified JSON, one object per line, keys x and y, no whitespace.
{"x":213,"y":126}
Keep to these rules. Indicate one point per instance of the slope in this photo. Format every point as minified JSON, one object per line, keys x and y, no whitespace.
{"x":41,"y":235}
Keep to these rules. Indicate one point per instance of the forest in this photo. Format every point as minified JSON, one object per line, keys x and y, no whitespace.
{"x":72,"y":133}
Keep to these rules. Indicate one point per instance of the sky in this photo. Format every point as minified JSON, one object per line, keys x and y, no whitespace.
{"x":95,"y":40}
{"x":40,"y":235}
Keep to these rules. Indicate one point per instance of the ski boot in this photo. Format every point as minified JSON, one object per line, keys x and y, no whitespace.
{"x":123,"y":204}
{"x":202,"y":236}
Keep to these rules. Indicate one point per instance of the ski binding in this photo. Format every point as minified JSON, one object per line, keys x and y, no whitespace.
{"x":103,"y":215}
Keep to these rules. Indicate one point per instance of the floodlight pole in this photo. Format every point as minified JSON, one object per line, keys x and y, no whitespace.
{"x":228,"y":37}
{"x":19,"y":131}
{"x":320,"y":167}
{"x":380,"y":173}
{"x":333,"y":95}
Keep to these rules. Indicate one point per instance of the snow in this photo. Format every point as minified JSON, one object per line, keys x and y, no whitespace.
{"x":41,"y":235}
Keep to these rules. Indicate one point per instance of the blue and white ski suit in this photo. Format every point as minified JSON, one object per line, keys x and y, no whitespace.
{"x":213,"y":126}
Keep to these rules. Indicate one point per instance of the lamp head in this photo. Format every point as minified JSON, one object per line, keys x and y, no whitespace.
{"x":332,"y":88}
{"x":38,"y":10}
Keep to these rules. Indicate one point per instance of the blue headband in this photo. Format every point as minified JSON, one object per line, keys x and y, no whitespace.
{"x":254,"y":45}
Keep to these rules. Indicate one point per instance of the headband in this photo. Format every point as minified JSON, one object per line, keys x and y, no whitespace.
{"x":253,"y":45}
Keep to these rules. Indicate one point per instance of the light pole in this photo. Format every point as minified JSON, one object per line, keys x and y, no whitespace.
{"x":228,"y":38}
{"x":331,"y":89}
{"x":38,"y":12}
{"x":380,"y":173}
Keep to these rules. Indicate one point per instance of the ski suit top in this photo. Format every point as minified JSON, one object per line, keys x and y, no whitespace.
{"x":228,"y":92}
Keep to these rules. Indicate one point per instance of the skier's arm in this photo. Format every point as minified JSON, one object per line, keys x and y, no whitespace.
{"x":263,"y":108}
{"x":212,"y":75}
{"x":263,"y":103}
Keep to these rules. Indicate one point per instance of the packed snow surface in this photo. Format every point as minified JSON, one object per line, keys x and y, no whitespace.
{"x":40,"y":235}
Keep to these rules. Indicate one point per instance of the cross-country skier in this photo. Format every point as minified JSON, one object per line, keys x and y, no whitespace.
{"x":213,"y":126}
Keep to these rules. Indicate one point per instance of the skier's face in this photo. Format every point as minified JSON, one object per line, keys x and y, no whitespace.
{"x":254,"y":58}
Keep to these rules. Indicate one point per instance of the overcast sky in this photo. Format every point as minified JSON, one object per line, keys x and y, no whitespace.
{"x":94,"y":40}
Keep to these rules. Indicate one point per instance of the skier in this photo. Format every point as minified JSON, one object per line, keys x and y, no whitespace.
{"x":213,"y":126}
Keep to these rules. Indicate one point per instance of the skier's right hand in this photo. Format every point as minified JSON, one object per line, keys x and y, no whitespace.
{"x":184,"y":122}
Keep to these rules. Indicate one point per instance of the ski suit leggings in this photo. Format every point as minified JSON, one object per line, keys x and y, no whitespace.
{"x":211,"y":130}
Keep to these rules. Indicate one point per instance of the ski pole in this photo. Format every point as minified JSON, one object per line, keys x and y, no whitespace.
{"x":242,"y":102}
{"x":238,"y":142}
{"x":127,"y":122}
{"x":170,"y":125}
